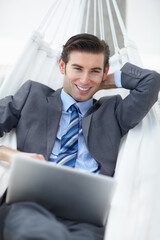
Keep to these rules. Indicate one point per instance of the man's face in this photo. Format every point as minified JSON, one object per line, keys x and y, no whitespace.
{"x":83,"y":74}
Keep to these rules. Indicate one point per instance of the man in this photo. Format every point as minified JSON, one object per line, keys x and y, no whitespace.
{"x":42,"y":116}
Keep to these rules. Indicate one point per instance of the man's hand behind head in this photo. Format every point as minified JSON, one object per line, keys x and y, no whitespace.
{"x":108,"y":82}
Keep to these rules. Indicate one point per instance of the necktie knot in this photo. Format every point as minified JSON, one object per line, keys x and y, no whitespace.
{"x":74,"y":108}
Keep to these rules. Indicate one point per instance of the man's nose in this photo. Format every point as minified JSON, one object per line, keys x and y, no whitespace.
{"x":85,"y":79}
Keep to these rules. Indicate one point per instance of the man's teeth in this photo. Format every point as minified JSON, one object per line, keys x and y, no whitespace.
{"x":83,"y":89}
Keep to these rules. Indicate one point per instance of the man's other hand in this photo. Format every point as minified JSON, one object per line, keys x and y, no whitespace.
{"x":7,"y":153}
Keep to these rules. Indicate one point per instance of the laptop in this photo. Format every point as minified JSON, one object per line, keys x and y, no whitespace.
{"x":68,"y":192}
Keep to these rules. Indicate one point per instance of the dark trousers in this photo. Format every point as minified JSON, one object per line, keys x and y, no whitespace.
{"x":29,"y":220}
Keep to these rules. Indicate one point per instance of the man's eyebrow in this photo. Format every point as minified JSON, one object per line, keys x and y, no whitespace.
{"x":76,"y":65}
{"x":97,"y":68}
{"x":94,"y":68}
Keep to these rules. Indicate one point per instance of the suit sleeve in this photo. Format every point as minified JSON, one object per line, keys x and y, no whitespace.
{"x":144,"y":87}
{"x":11,"y":107}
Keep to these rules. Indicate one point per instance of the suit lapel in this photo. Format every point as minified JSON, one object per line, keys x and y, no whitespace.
{"x":86,"y":120}
{"x":85,"y":126}
{"x":54,"y":115}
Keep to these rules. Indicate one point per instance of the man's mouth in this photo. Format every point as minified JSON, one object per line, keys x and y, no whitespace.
{"x":82,"y":89}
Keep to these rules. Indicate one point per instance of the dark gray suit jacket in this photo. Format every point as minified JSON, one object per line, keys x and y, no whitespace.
{"x":35,"y":112}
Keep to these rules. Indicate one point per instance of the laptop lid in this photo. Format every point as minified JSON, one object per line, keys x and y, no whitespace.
{"x":67,"y":192}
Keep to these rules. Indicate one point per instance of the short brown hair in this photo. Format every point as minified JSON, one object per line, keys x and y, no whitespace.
{"x":86,"y":43}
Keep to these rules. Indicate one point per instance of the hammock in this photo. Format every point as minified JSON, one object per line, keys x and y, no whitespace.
{"x":134,"y":210}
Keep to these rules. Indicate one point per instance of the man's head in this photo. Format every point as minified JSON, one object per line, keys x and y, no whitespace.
{"x":84,"y":62}
{"x":85,"y":43}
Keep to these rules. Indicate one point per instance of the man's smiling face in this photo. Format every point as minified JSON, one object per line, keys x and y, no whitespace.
{"x":83,"y":74}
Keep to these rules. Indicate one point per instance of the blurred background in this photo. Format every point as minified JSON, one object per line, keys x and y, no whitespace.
{"x":18,"y":18}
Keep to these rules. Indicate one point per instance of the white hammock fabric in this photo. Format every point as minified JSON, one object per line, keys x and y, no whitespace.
{"x":135,"y":209}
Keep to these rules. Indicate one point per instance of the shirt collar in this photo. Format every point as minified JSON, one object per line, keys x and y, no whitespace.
{"x":67,"y":101}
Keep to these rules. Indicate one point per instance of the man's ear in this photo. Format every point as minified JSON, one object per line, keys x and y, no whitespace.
{"x":61,"y":66}
{"x":105,"y":73}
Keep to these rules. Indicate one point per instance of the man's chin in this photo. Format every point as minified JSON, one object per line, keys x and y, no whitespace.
{"x":82,"y":98}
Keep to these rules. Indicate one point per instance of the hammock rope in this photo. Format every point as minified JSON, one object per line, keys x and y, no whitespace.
{"x":114,"y":36}
{"x":95,"y":17}
{"x":44,"y":24}
{"x":87,"y":16}
{"x":120,"y":20}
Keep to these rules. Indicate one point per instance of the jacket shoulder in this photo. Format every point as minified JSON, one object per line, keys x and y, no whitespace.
{"x":106,"y":99}
{"x":38,"y":87}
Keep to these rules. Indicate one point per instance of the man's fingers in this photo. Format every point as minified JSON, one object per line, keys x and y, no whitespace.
{"x":37,"y":156}
{"x":33,"y":155}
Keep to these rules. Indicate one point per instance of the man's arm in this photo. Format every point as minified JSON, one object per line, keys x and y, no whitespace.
{"x":10,"y":112}
{"x":144,"y":86}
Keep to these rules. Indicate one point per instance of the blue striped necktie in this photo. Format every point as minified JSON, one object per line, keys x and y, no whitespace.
{"x":69,"y":141}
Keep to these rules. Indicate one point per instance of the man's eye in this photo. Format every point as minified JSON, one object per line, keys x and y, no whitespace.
{"x":95,"y":71}
{"x":78,"y":69}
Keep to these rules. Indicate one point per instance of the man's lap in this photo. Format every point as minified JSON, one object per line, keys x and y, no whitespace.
{"x":33,"y":221}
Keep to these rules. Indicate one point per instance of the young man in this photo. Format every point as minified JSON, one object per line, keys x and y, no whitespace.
{"x":42,"y":116}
